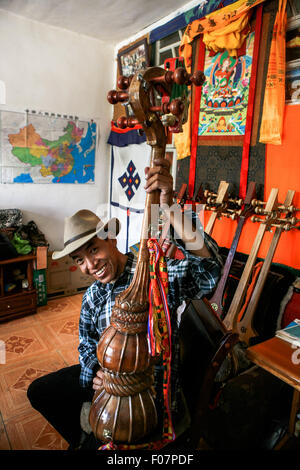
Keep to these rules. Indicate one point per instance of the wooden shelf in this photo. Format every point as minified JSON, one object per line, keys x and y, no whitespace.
{"x":18,"y":302}
{"x":18,"y":259}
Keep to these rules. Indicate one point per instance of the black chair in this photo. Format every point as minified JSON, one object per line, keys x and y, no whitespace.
{"x":206,"y":348}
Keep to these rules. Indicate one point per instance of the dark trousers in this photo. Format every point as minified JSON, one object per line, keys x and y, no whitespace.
{"x":59,"y":397}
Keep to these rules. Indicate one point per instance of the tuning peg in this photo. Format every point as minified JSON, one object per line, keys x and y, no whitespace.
{"x":259,"y":210}
{"x":197,"y":78}
{"x":114,"y":97}
{"x":175,"y":107}
{"x":269,"y":214}
{"x":229,"y":216}
{"x":124,"y":82}
{"x":256,"y":202}
{"x":292,"y":220}
{"x":257,"y":219}
{"x":210,"y":200}
{"x":285,"y":227}
{"x":181,"y":77}
{"x":291,"y":208}
{"x":236,"y":201}
{"x":208,"y":193}
{"x":123,"y":122}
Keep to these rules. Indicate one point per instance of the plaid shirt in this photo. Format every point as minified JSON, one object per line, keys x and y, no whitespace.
{"x":189,"y":278}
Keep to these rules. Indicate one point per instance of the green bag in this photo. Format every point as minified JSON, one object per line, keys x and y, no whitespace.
{"x":22,"y":246}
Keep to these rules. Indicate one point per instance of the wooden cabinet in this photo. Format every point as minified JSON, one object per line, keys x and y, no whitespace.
{"x":19,"y":301}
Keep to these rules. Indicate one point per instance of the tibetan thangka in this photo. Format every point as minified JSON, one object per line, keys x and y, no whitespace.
{"x":224,"y":100}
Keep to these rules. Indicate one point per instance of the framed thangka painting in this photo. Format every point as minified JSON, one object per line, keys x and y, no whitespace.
{"x":224,"y":98}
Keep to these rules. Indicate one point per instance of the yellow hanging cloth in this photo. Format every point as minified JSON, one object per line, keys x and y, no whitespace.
{"x":182,"y":140}
{"x":231,"y":37}
{"x":274,"y":99}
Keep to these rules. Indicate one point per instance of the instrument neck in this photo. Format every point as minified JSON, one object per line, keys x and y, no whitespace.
{"x":151,"y":208}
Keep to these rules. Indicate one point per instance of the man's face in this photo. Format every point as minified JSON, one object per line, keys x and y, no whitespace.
{"x":100,"y":259}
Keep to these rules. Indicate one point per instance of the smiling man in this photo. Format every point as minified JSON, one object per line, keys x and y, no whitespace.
{"x":92,"y":244}
{"x":100,"y":259}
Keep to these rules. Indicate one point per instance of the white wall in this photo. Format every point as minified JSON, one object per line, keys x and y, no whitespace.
{"x":51,"y":69}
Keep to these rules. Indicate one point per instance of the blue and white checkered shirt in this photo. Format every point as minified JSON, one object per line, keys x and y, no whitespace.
{"x":189,"y":278}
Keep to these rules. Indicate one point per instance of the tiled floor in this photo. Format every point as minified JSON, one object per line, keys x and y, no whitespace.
{"x":35,"y":345}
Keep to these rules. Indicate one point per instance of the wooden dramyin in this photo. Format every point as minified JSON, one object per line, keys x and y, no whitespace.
{"x":123,"y":410}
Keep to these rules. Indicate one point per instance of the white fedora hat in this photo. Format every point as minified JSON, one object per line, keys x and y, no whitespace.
{"x":82,"y":227}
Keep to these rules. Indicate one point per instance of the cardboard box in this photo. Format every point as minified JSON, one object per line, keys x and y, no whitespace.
{"x":65,"y":278}
{"x":41,"y":257}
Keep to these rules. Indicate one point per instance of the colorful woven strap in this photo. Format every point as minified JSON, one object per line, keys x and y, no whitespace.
{"x":159,"y":326}
{"x":159,"y":342}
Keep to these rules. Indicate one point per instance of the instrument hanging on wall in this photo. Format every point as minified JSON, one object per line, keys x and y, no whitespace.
{"x":245,"y":327}
{"x":216,"y":301}
{"x":215,"y":202}
{"x":231,"y":318}
{"x":199,"y":197}
{"x":123,"y":410}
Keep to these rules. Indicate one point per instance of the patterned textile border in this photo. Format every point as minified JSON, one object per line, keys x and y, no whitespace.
{"x":215,"y":164}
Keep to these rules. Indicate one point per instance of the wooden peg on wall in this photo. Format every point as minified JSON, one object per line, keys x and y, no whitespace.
{"x":219,"y":199}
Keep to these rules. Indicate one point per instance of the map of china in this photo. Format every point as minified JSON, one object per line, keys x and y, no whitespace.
{"x":68,"y":159}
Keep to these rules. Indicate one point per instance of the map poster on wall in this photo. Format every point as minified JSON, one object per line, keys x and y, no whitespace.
{"x":38,"y":148}
{"x":224,"y":100}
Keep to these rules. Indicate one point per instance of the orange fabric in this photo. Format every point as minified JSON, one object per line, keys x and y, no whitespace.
{"x":282,"y":171}
{"x":273,"y":108}
{"x":230,"y":37}
{"x":182,"y":140}
{"x":227,"y":23}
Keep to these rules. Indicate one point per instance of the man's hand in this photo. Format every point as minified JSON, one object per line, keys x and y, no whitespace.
{"x":98,"y":379}
{"x":159,"y":177}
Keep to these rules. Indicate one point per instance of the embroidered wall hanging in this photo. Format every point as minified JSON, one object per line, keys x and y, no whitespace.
{"x":130,"y":155}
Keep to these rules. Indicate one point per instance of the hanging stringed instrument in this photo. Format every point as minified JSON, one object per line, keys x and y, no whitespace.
{"x":215,"y":202}
{"x":245,"y":328}
{"x":231,"y":317}
{"x":123,"y":410}
{"x":216,"y":301}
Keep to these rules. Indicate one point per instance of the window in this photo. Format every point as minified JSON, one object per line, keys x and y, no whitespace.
{"x":167,"y":47}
